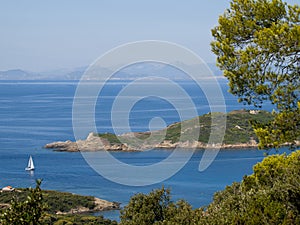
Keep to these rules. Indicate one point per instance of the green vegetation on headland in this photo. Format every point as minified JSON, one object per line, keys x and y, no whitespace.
{"x":57,"y":202}
{"x":235,"y":129}
{"x":221,"y":130}
{"x":111,"y":138}
{"x":238,"y":129}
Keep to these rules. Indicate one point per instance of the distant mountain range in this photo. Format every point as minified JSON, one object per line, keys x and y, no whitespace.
{"x":63,"y":74}
{"x":131,"y":72}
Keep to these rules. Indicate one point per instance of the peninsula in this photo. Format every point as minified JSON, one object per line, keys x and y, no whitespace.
{"x":238,"y":134}
{"x":61,"y":203}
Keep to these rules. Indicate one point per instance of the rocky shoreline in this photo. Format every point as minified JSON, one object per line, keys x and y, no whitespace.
{"x":96,"y":143}
{"x":100,"y":205}
{"x":61,"y":203}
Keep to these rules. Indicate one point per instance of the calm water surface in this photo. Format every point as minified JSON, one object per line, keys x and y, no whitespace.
{"x":35,"y":113}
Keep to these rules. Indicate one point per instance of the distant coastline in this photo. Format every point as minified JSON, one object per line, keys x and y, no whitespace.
{"x":131,"y":73}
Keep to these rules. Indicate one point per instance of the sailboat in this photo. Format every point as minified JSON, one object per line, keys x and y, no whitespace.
{"x":30,"y":165}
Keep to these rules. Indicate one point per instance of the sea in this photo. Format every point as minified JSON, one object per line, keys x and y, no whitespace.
{"x":34,"y":113}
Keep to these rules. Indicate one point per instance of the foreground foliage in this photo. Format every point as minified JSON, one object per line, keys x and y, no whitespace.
{"x":27,"y":212}
{"x":34,"y":206}
{"x":54,"y":200}
{"x":157,"y":208}
{"x":257,"y":44}
{"x":269,"y":196}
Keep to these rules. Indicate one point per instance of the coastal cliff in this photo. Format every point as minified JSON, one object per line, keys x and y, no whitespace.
{"x":238,"y":134}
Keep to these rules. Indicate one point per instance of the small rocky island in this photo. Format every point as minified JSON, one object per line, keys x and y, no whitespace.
{"x":238,"y":134}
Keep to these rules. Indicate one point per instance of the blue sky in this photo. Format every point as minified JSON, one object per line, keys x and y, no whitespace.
{"x":46,"y":35}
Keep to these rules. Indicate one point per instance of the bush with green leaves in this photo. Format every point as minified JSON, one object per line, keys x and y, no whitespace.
{"x":157,"y":208}
{"x":27,"y":212}
{"x":269,"y":196}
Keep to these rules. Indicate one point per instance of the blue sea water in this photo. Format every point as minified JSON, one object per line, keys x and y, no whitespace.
{"x":34,"y":113}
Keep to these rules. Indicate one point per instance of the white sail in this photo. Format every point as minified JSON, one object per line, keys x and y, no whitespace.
{"x":30,"y":165}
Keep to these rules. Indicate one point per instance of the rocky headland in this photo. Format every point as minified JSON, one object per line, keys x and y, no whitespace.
{"x":238,"y":134}
{"x":61,"y":203}
{"x":95,"y":143}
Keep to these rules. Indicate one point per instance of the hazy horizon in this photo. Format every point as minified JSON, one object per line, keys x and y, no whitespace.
{"x":41,"y":36}
{"x":52,"y":35}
